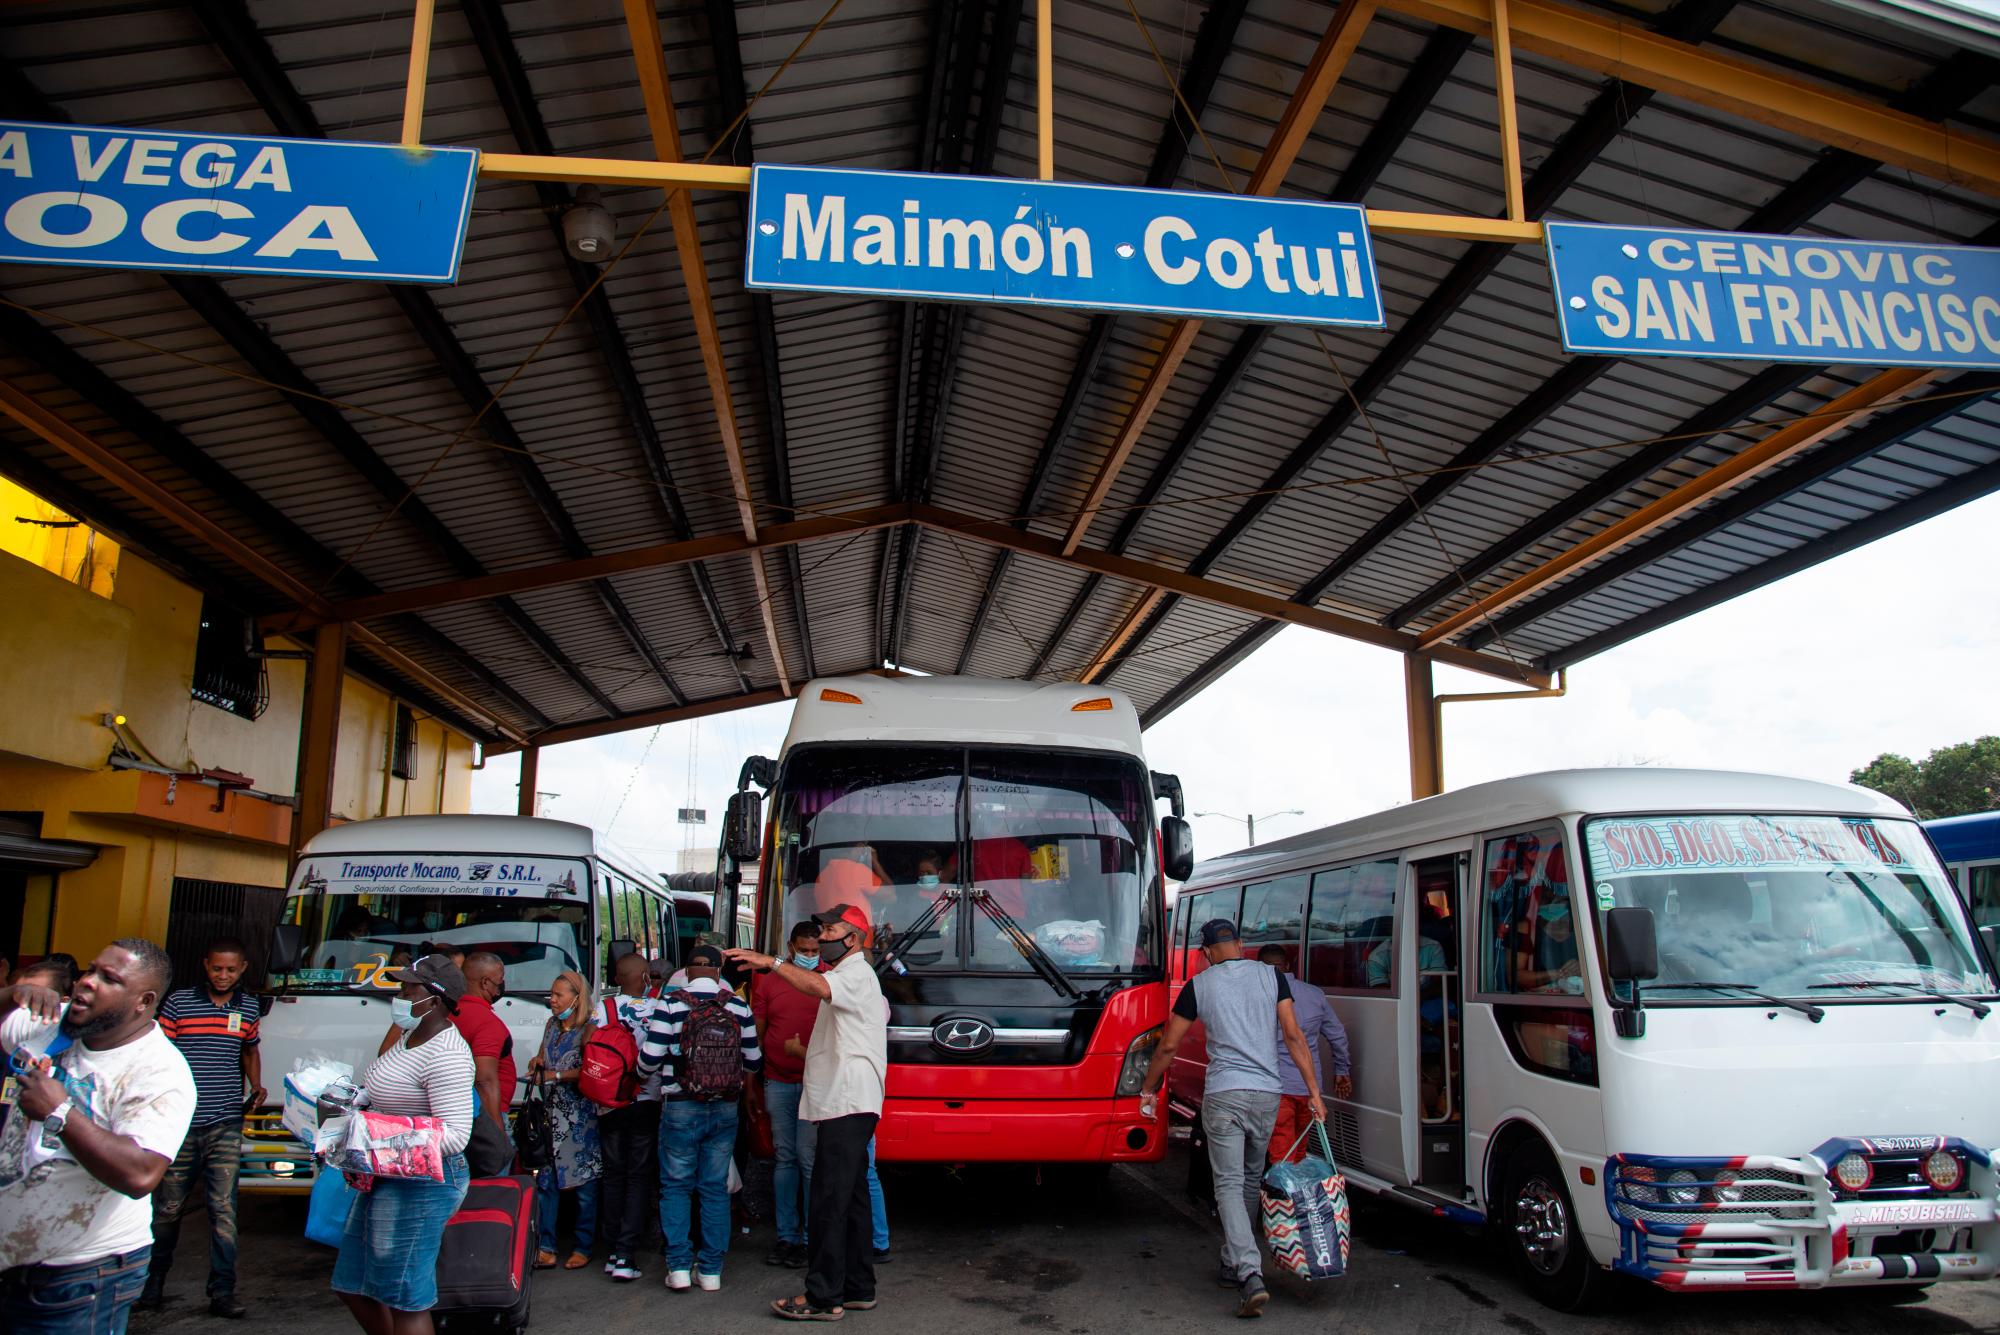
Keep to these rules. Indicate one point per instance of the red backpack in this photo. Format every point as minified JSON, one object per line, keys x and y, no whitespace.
{"x":610,"y":1076}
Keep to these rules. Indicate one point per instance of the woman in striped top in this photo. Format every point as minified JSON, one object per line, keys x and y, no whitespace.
{"x":387,"y":1271}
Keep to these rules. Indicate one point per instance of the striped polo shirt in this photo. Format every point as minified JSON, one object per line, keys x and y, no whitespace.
{"x":213,"y":1039}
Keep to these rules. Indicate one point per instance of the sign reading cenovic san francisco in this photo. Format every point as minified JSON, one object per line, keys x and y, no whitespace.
{"x":1642,"y":291}
{"x":1057,"y":243}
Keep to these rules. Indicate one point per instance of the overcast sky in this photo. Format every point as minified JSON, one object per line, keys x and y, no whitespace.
{"x":1895,"y":647}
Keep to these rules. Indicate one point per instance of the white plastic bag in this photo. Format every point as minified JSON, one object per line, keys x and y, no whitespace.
{"x":307,"y":1080}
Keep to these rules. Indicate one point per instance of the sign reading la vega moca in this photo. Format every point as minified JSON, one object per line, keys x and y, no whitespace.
{"x":217,"y":203}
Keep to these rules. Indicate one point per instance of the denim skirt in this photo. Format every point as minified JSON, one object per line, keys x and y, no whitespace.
{"x":389,"y":1249}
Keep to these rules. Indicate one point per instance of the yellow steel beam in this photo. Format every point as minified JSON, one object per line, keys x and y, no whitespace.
{"x":1336,"y":47}
{"x":1045,"y":87}
{"x":1870,"y":395}
{"x":427,"y":597}
{"x":605,"y":727}
{"x":1123,"y":635}
{"x":613,"y":171}
{"x":1510,"y":132}
{"x":420,"y":68}
{"x":642,"y":21}
{"x":700,"y":176}
{"x":1818,"y":111}
{"x":1001,"y":533}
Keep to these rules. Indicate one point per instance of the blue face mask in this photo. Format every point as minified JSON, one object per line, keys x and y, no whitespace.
{"x":403,"y":1014}
{"x":806,"y":961}
{"x":565,"y":1012}
{"x":929,"y":879}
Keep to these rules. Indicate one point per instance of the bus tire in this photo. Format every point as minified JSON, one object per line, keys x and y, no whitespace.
{"x":1539,"y":1230}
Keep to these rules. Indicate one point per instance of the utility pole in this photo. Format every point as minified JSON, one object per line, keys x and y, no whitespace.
{"x":1250,"y":822}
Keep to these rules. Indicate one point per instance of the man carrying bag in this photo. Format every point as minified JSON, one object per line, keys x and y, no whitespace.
{"x":1247,"y":1010}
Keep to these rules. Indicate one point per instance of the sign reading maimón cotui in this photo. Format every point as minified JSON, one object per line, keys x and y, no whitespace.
{"x":1048,"y":243}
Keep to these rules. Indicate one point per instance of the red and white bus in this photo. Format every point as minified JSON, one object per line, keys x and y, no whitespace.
{"x":1002,"y":841}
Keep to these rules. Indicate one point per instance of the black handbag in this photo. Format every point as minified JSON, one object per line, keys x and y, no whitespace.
{"x":534,"y":1135}
{"x":489,"y":1152}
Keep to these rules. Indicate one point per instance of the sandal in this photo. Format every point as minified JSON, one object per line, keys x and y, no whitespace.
{"x":800,"y":1308}
{"x":577,"y":1261}
{"x":545,"y":1260}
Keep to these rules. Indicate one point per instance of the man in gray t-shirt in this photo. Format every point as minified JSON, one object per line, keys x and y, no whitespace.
{"x":1246,"y":1009}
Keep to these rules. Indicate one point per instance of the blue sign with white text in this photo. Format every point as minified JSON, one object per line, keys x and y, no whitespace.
{"x":1645,"y":292}
{"x":1049,"y":243}
{"x":218,"y":203}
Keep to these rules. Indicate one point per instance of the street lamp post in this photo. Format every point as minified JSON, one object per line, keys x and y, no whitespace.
{"x":1250,"y":822}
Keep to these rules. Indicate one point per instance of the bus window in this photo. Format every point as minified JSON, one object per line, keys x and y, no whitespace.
{"x":1528,"y":927}
{"x":1201,"y":908}
{"x":645,"y":909}
{"x":1349,"y":931}
{"x":606,"y":894}
{"x":1274,"y":914}
{"x":1982,"y":892}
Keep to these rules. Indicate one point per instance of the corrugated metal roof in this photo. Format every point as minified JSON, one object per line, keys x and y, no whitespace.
{"x":1253,"y":470}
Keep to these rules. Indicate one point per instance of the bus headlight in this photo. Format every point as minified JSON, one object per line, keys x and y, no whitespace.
{"x":1854,"y":1172}
{"x":1639,"y":1178}
{"x":1727,"y":1188}
{"x":1137,"y":1058}
{"x":1683,"y":1195}
{"x":1944,"y":1170}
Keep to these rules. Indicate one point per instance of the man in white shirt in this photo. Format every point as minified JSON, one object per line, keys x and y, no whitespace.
{"x":847,"y":1063}
{"x":105,"y":1101}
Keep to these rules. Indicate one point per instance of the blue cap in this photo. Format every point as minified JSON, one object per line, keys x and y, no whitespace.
{"x":1216,"y":931}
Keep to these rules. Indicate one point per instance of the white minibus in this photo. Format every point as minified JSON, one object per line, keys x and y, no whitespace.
{"x":1711,"y":1030}
{"x":544,"y":895}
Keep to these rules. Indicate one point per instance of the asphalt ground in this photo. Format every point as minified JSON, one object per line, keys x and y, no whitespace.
{"x":1007,"y":1250}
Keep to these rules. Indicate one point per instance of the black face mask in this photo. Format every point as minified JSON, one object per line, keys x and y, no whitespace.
{"x":833,"y":952}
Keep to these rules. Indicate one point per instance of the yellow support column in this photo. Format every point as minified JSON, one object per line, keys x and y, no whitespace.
{"x":1426,"y":745}
{"x":319,"y":739}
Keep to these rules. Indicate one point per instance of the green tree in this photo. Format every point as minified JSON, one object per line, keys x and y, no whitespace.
{"x":1950,"y":781}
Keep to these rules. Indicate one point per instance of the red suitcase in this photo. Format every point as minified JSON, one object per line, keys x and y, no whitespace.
{"x":486,"y":1260}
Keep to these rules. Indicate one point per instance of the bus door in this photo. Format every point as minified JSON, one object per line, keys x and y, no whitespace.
{"x":1439,"y":1057}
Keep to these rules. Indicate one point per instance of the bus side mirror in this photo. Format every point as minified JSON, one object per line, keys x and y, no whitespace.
{"x":1631,"y":945}
{"x":288,"y":941}
{"x":1631,"y":955}
{"x":743,"y":826}
{"x":1177,"y":841}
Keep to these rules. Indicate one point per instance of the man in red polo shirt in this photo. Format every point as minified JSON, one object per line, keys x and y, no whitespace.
{"x":486,"y":1034}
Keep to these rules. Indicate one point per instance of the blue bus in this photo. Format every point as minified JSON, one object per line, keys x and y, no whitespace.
{"x":1969,"y":847}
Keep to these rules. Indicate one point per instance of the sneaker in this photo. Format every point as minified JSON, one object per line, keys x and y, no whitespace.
{"x":153,"y":1297}
{"x":225,"y":1306}
{"x":707,"y":1283}
{"x":1252,"y":1295}
{"x":679,"y":1281}
{"x":880,"y":1256}
{"x":625,"y":1272}
{"x":798,"y":1258}
{"x":1226,"y":1277}
{"x":780,"y":1253}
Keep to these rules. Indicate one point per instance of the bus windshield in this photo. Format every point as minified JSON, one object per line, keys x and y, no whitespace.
{"x":1796,"y":906}
{"x":359,"y":918}
{"x":1060,"y":844}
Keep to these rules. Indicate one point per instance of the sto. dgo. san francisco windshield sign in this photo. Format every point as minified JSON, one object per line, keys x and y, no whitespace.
{"x":217,"y":203}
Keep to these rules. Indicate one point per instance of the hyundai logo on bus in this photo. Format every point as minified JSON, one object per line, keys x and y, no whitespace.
{"x":963,"y":1036}
{"x":218,"y":203}
{"x":1049,"y":243}
{"x":1641,"y":291}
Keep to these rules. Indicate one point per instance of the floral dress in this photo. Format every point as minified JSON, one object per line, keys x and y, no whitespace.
{"x":572,"y":1117}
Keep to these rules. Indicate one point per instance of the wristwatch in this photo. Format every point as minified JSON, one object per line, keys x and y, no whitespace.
{"x":58,"y":1117}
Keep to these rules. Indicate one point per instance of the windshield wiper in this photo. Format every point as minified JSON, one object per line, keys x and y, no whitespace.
{"x":1805,"y":1008}
{"x":915,"y":931}
{"x":1031,"y":951}
{"x":1978,"y":1008}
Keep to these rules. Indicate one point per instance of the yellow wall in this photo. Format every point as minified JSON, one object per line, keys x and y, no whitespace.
{"x":127,"y":645}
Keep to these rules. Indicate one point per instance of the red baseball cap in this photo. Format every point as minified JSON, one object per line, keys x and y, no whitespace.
{"x":847,"y":913}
